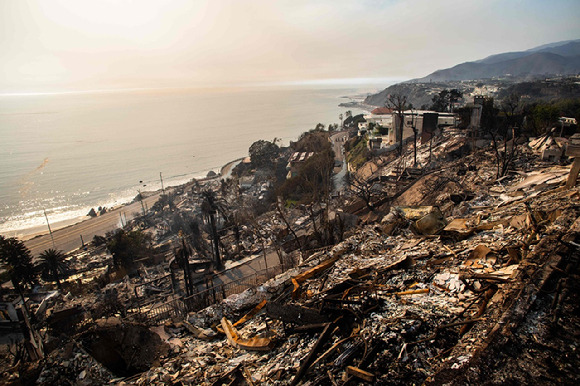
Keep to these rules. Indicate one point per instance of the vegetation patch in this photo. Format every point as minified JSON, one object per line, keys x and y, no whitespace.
{"x":357,"y":152}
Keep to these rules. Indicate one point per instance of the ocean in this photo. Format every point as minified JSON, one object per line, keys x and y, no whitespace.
{"x":65,"y":153}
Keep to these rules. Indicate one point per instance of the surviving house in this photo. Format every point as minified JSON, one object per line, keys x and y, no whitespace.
{"x":425,"y":122}
{"x":381,"y":116}
{"x":295,"y":161}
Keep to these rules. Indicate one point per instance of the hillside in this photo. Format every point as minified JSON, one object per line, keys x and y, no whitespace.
{"x":534,"y":64}
{"x":502,"y":70}
{"x":566,"y":49}
{"x":419,"y":94}
{"x":543,"y":90}
{"x":559,"y":59}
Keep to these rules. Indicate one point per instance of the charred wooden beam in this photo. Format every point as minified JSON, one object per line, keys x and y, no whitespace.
{"x":305,"y":366}
{"x":364,"y":375}
{"x":250,"y":344}
{"x":299,"y":279}
{"x":310,"y":327}
{"x":251,"y":314}
{"x":289,"y":313}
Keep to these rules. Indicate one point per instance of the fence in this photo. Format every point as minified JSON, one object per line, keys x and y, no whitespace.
{"x":155,"y":315}
{"x":164,"y":281}
{"x":179,"y":308}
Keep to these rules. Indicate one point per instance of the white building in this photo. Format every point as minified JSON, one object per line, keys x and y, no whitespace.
{"x":412,"y":119}
{"x":381,"y":116}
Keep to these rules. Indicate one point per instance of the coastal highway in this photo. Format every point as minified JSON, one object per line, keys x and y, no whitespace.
{"x":338,"y":139}
{"x":69,"y":238}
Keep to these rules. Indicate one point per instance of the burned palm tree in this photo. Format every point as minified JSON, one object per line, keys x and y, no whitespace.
{"x":211,"y":205}
{"x":53,"y":266}
{"x":18,"y":261}
{"x":234,"y":215}
{"x":182,"y":255}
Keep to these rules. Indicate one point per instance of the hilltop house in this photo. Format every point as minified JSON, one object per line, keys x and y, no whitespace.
{"x":425,"y":122}
{"x":295,"y":161}
{"x":381,"y":116}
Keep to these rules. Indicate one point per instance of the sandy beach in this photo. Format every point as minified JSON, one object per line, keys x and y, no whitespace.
{"x":67,"y":234}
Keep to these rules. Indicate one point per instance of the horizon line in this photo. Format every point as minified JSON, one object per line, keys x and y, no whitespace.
{"x":313,"y":82}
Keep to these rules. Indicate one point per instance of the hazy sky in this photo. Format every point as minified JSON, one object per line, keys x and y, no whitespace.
{"x":94,"y":44}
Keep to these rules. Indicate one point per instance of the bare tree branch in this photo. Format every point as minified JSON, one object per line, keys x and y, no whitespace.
{"x":398,"y":103}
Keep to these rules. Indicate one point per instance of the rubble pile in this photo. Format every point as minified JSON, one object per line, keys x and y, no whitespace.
{"x":401,"y":307}
{"x":106,"y":352}
{"x":237,"y":303}
{"x":71,"y":364}
{"x":455,"y":277}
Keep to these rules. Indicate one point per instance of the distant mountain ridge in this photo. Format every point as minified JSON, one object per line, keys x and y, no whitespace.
{"x":561,"y":58}
{"x":556,"y":58}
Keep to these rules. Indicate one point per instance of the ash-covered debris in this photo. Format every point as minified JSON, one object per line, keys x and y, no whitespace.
{"x":402,"y":308}
{"x":71,"y":364}
{"x":451,"y":276}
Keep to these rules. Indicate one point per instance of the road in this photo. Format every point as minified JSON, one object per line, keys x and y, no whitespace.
{"x":69,"y":238}
{"x":338,"y":140}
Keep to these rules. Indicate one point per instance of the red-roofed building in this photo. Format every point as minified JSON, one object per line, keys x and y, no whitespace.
{"x":381,"y":116}
{"x":382,"y":111}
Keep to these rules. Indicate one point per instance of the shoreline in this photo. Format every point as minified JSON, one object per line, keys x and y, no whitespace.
{"x":27,"y":234}
{"x":357,"y":105}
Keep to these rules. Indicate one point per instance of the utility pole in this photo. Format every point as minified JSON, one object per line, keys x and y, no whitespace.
{"x":141,"y":200}
{"x":414,"y":126}
{"x":49,"y":230}
{"x":430,"y":147}
{"x":264,"y":253}
{"x":161,"y":178}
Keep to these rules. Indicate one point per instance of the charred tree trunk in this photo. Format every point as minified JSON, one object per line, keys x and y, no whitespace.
{"x":281,"y":213}
{"x":216,"y":244}
{"x":415,"y":147}
{"x":317,"y":233}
